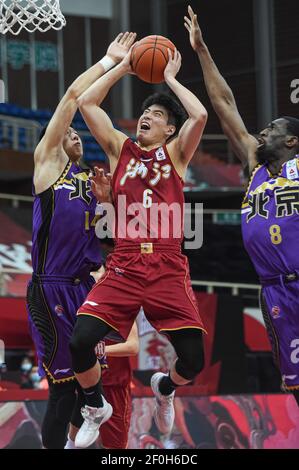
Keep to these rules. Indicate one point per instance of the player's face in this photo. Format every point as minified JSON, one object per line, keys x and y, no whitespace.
{"x":272,"y":140}
{"x":153,"y":127}
{"x":72,"y":145}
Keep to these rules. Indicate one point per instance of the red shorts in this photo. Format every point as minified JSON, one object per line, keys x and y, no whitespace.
{"x":114,"y":433}
{"x":159,"y":282}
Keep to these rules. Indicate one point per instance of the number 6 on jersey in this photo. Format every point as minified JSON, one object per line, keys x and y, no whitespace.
{"x":147,"y":200}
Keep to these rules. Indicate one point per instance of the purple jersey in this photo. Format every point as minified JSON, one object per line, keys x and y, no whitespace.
{"x":64,"y":240}
{"x":270,"y":219}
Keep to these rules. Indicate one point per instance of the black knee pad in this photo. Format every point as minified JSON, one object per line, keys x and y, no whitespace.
{"x":188,"y":373}
{"x":188,"y":345}
{"x":87,"y":333}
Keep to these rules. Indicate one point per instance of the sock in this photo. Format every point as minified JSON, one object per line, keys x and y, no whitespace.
{"x":70,"y":444}
{"x":93,"y":395}
{"x":166,"y":385}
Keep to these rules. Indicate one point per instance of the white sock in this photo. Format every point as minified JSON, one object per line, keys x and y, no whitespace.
{"x":70,"y":444}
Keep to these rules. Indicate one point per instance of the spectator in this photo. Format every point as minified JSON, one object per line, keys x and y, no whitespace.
{"x":25,"y":368}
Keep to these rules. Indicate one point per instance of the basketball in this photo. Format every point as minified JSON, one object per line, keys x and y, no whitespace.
{"x":150,"y":57}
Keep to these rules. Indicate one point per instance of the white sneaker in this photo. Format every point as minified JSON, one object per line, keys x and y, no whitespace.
{"x":164,"y":410}
{"x":70,"y":444}
{"x":93,"y":419}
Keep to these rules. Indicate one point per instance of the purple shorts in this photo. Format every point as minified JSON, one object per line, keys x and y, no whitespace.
{"x":52,"y":304}
{"x":280,"y":307}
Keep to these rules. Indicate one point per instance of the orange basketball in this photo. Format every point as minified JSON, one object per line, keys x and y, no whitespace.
{"x":149,"y":58}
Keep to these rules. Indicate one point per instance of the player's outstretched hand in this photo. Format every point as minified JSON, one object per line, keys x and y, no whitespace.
{"x":119,"y":48}
{"x":192,"y":26}
{"x":101,"y":185}
{"x":126,"y":63}
{"x":174,"y":64}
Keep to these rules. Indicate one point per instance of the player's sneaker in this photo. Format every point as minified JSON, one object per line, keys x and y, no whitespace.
{"x":164,"y":409}
{"x":93,"y":419}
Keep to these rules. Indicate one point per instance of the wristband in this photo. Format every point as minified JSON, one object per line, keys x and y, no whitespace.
{"x":107,"y":63}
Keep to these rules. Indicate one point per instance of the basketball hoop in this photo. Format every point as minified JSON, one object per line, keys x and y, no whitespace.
{"x":31,"y":15}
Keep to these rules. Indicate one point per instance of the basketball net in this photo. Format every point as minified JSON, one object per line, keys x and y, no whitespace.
{"x":31,"y":15}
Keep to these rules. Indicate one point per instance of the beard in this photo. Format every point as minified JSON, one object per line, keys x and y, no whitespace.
{"x":265,"y":154}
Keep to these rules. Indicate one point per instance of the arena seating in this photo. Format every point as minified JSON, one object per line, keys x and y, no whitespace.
{"x":92,"y":151}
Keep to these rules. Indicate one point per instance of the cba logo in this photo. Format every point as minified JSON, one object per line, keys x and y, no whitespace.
{"x":275,"y":311}
{"x":59,"y":310}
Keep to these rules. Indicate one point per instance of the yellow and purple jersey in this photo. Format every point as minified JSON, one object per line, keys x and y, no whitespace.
{"x":270,"y":219}
{"x":64,"y":240}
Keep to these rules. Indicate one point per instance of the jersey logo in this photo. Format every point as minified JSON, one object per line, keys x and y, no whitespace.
{"x":286,"y":203}
{"x":90,"y":302}
{"x":289,"y":377}
{"x":81,"y":190}
{"x":292,"y":170}
{"x":137,"y":168}
{"x":257,"y":204}
{"x":133,"y":169}
{"x":61,"y":371}
{"x":160,"y":154}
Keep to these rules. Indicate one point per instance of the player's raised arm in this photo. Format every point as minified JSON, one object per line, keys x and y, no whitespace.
{"x":49,"y":156}
{"x":221,"y":96}
{"x":66,"y":109}
{"x":183,"y":147}
{"x":96,"y":118}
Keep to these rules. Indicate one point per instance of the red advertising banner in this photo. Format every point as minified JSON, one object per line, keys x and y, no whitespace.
{"x":215,"y":422}
{"x":15,"y":245}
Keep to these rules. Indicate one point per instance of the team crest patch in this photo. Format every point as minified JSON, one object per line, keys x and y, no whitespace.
{"x":292,"y":170}
{"x":160,"y":154}
{"x":59,"y":310}
{"x":275,"y":311}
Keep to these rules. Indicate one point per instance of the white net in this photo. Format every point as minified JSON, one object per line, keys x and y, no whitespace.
{"x":31,"y":15}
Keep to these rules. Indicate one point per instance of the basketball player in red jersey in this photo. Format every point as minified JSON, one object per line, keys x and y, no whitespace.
{"x":117,"y":387}
{"x":116,"y":381}
{"x":146,"y":269}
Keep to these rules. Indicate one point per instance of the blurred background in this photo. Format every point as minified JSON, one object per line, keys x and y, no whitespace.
{"x":255,"y":45}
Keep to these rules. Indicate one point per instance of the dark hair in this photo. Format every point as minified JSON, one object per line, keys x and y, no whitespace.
{"x":292,"y":125}
{"x":176,"y":112}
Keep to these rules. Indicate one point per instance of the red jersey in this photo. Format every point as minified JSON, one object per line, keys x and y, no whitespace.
{"x":117,"y":390}
{"x":148,"y":197}
{"x":145,"y":268}
{"x":119,"y":372}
